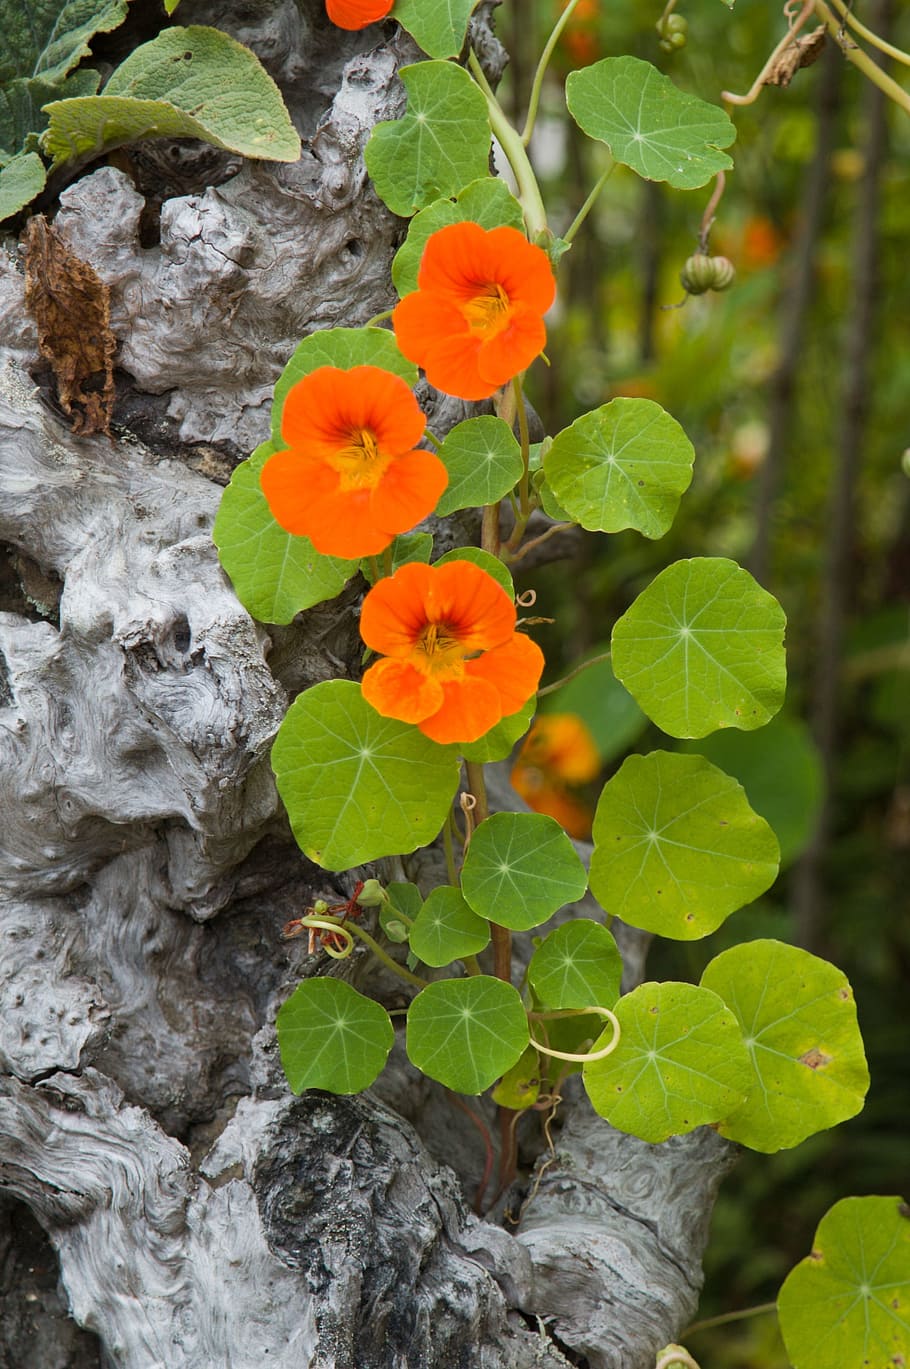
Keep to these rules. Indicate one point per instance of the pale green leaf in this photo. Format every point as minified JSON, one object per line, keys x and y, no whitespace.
{"x":677,"y":847}
{"x":191,"y":82}
{"x":408,"y":547}
{"x":467,"y":1032}
{"x":170,"y":6}
{"x":275,"y":574}
{"x":577,"y":966}
{"x":848,"y":1303}
{"x":484,"y":462}
{"x":445,"y":929}
{"x":438,"y":27}
{"x":488,"y":202}
{"x":20,"y":181}
{"x":798,"y":1020}
{"x":519,"y":1087}
{"x":680,"y":1063}
{"x":702,"y":648}
{"x":343,"y":348}
{"x":22,"y":103}
{"x":521,"y":868}
{"x":497,"y":744}
{"x":332,"y":1038}
{"x":625,"y":465}
{"x":648,"y":123}
{"x":440,"y":145}
{"x":781,"y":772}
{"x":356,"y":785}
{"x":47,"y":38}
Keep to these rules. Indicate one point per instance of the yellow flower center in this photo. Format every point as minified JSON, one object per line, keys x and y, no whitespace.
{"x":361,"y":462}
{"x":438,"y":651}
{"x":488,"y":311}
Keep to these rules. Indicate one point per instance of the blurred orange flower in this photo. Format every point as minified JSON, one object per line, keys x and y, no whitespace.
{"x":356,"y":14}
{"x":350,"y":479}
{"x":558,"y":752}
{"x":454,"y":664}
{"x":476,"y":317}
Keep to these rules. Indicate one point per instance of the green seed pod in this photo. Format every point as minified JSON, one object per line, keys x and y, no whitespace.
{"x":702,"y":273}
{"x":372,"y":894}
{"x":676,"y":41}
{"x":676,"y":23}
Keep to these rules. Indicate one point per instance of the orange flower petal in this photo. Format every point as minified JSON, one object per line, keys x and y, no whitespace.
{"x":409,"y":491}
{"x":561,"y":745}
{"x":511,"y":351}
{"x":341,"y":524}
{"x":393,"y":613}
{"x":322,"y":409}
{"x":356,"y":14}
{"x":421,"y":316}
{"x":470,"y":708}
{"x":451,"y":365}
{"x":396,"y":690}
{"x":524,"y":272}
{"x":469,"y":599}
{"x":291,"y":483}
{"x":513,"y":669}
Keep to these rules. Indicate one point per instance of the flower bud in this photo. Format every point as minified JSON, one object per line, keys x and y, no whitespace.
{"x":320,"y":907}
{"x":702,"y":273}
{"x":372,"y":894}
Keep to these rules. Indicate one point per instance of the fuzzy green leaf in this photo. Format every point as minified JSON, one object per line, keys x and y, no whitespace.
{"x":798,"y":1020}
{"x":677,"y":847}
{"x":332,"y":1038}
{"x":274,"y":573}
{"x":488,"y":202}
{"x":358,"y":786}
{"x":520,"y":869}
{"x":48,"y":38}
{"x":191,"y":82}
{"x":848,"y":1303}
{"x":466,"y":1033}
{"x":625,"y":465}
{"x":445,"y":929}
{"x":577,"y":966}
{"x":702,"y":648}
{"x":20,"y":181}
{"x":648,"y":123}
{"x":680,"y":1063}
{"x":440,"y":145}
{"x":484,"y":462}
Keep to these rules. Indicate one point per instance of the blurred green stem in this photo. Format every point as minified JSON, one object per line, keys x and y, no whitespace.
{"x":514,"y":150}
{"x":541,"y":71}
{"x":589,"y":203}
{"x":726,"y":1317}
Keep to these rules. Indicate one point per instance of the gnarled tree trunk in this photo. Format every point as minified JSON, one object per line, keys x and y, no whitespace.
{"x":200,"y":1214}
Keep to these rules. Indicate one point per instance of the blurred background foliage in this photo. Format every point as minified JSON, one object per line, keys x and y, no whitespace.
{"x":795,"y":388}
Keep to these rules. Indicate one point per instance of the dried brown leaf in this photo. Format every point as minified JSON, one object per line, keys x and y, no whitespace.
{"x":71,"y":305}
{"x":802,"y":52}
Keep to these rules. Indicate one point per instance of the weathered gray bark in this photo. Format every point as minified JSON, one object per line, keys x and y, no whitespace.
{"x":201,"y":1215}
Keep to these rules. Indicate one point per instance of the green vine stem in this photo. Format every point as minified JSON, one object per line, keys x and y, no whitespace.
{"x":514,"y":150}
{"x":871,"y":38}
{"x":584,"y":211}
{"x":572,"y":1056}
{"x":349,"y":929}
{"x":595,"y":660}
{"x":537,"y":84}
{"x":861,"y":59}
{"x":449,"y":848}
{"x":726,"y":1317}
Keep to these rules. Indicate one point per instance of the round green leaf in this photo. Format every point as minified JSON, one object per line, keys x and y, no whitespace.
{"x":625,"y":465}
{"x":798,"y":1020}
{"x":781,"y":772}
{"x":702,"y":648}
{"x":344,"y":348}
{"x":483,"y":460}
{"x":407,"y":547}
{"x":680,"y":1063}
{"x":275,"y":574}
{"x":331,"y":1037}
{"x":358,"y":786}
{"x":488,"y":202}
{"x":520,"y":869}
{"x":848,"y":1303}
{"x":445,"y":929}
{"x":439,"y":146}
{"x":486,"y":560}
{"x":467,"y":1032}
{"x":191,"y":82}
{"x":677,"y":847}
{"x":648,"y":123}
{"x":437,"y":26}
{"x":519,"y":1087}
{"x":497,"y":744}
{"x":576,"y":966}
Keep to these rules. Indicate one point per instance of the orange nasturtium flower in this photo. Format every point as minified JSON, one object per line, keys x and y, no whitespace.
{"x":454,"y":664}
{"x":356,"y":14}
{"x":476,"y":317}
{"x":351,"y":478}
{"x":558,"y":753}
